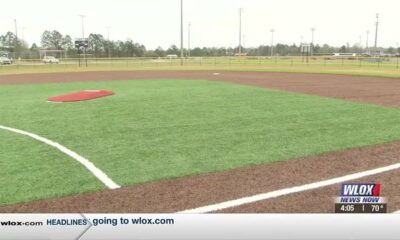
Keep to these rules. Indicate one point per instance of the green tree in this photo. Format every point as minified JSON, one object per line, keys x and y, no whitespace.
{"x":66,"y":43}
{"x":8,"y":40}
{"x":52,"y":39}
{"x":97,"y":44}
{"x":173,"y":50}
{"x":160,"y":52}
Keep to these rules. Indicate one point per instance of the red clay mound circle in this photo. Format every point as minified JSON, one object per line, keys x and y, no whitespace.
{"x":81,"y":96}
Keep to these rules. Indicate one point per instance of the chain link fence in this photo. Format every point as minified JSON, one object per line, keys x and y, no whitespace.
{"x":278,"y":61}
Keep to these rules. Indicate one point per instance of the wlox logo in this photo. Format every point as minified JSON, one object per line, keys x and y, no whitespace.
{"x":360,"y":190}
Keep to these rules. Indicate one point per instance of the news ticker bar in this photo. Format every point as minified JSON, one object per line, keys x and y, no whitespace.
{"x":206,"y":226}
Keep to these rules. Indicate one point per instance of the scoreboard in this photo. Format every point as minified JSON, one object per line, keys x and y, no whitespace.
{"x":81,"y":43}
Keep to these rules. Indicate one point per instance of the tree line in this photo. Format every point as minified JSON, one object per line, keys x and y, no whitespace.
{"x":100,"y":47}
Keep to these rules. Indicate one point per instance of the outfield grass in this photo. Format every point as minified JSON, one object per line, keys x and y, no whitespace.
{"x":153,"y":130}
{"x":389,"y":71}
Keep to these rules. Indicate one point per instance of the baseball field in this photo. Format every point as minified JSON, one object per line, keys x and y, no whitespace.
{"x":199,"y":140}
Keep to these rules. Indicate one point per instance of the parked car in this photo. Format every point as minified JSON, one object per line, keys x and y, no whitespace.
{"x":50,"y":60}
{"x":4,"y":60}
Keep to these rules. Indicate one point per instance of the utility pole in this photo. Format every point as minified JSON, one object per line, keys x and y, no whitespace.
{"x":272,"y":41}
{"x":240,"y":30}
{"x":376,"y":33}
{"x":109,"y":43}
{"x":181,"y":32}
{"x":312,"y":41}
{"x":189,"y":25}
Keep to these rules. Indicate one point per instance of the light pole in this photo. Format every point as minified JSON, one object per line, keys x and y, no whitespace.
{"x":376,"y":33}
{"x":83,"y":37}
{"x":108,"y":39}
{"x":240,"y":30}
{"x":22,"y":32}
{"x":16,"y":38}
{"x":272,"y":41}
{"x":189,"y":25}
{"x":312,"y":41}
{"x":83,"y":27}
{"x":367,"y":43}
{"x":181,"y":32}
{"x":397,"y":55}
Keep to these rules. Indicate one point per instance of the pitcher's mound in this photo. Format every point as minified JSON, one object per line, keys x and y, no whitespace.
{"x":81,"y":96}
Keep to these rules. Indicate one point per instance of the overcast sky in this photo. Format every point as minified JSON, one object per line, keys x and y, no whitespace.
{"x":214,"y":22}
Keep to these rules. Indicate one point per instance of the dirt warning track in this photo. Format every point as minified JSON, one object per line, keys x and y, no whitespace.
{"x":213,"y":188}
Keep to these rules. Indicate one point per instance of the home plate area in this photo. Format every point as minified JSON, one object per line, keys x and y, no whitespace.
{"x":81,"y":96}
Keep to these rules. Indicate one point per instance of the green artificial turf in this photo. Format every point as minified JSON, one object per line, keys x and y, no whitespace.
{"x":153,"y":130}
{"x":30,"y":170}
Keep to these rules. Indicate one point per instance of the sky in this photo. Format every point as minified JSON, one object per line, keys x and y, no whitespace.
{"x":215,"y":23}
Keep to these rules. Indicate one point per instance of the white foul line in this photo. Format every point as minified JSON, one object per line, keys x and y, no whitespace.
{"x":287,"y":191}
{"x":89,"y":165}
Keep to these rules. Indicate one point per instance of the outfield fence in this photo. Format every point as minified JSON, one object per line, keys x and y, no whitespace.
{"x":282,"y":61}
